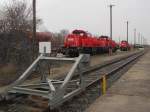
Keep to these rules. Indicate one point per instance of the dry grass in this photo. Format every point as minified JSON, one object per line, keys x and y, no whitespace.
{"x":7,"y":70}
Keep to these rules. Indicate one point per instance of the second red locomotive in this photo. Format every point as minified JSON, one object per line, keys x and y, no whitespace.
{"x":80,"y":41}
{"x":124,"y":46}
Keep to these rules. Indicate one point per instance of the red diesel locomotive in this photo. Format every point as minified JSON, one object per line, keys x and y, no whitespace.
{"x":124,"y":46}
{"x":80,"y":41}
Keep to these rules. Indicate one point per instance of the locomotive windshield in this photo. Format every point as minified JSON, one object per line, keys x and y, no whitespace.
{"x":79,"y":32}
{"x":124,"y":41}
{"x":103,"y":36}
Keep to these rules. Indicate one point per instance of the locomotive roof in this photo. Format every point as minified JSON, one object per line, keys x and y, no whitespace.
{"x":79,"y":31}
{"x":103,"y":36}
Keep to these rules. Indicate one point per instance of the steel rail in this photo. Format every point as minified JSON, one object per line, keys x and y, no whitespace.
{"x":98,"y":66}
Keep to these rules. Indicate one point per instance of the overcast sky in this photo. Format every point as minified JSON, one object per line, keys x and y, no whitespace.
{"x":93,"y":16}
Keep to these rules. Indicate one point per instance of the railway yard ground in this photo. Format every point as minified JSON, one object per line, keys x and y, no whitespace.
{"x":131,"y":93}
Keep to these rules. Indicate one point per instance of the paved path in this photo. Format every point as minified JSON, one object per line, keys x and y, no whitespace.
{"x":131,"y":93}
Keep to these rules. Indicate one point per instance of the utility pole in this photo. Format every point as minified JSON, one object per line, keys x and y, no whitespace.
{"x":119,"y":39}
{"x":139,"y":38}
{"x":142,"y":40}
{"x":134,"y":36}
{"x":111,"y":20}
{"x":127,"y":30}
{"x":110,"y":49}
{"x":34,"y":26}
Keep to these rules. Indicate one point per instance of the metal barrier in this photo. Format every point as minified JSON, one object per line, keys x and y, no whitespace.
{"x":53,"y":90}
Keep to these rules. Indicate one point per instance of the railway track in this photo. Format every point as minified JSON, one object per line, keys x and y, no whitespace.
{"x":75,"y":95}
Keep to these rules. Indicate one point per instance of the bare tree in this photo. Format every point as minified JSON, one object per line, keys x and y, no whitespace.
{"x":17,"y":16}
{"x":64,"y":32}
{"x":15,"y":23}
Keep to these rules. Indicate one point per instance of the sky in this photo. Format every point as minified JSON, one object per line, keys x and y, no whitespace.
{"x":93,"y":16}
